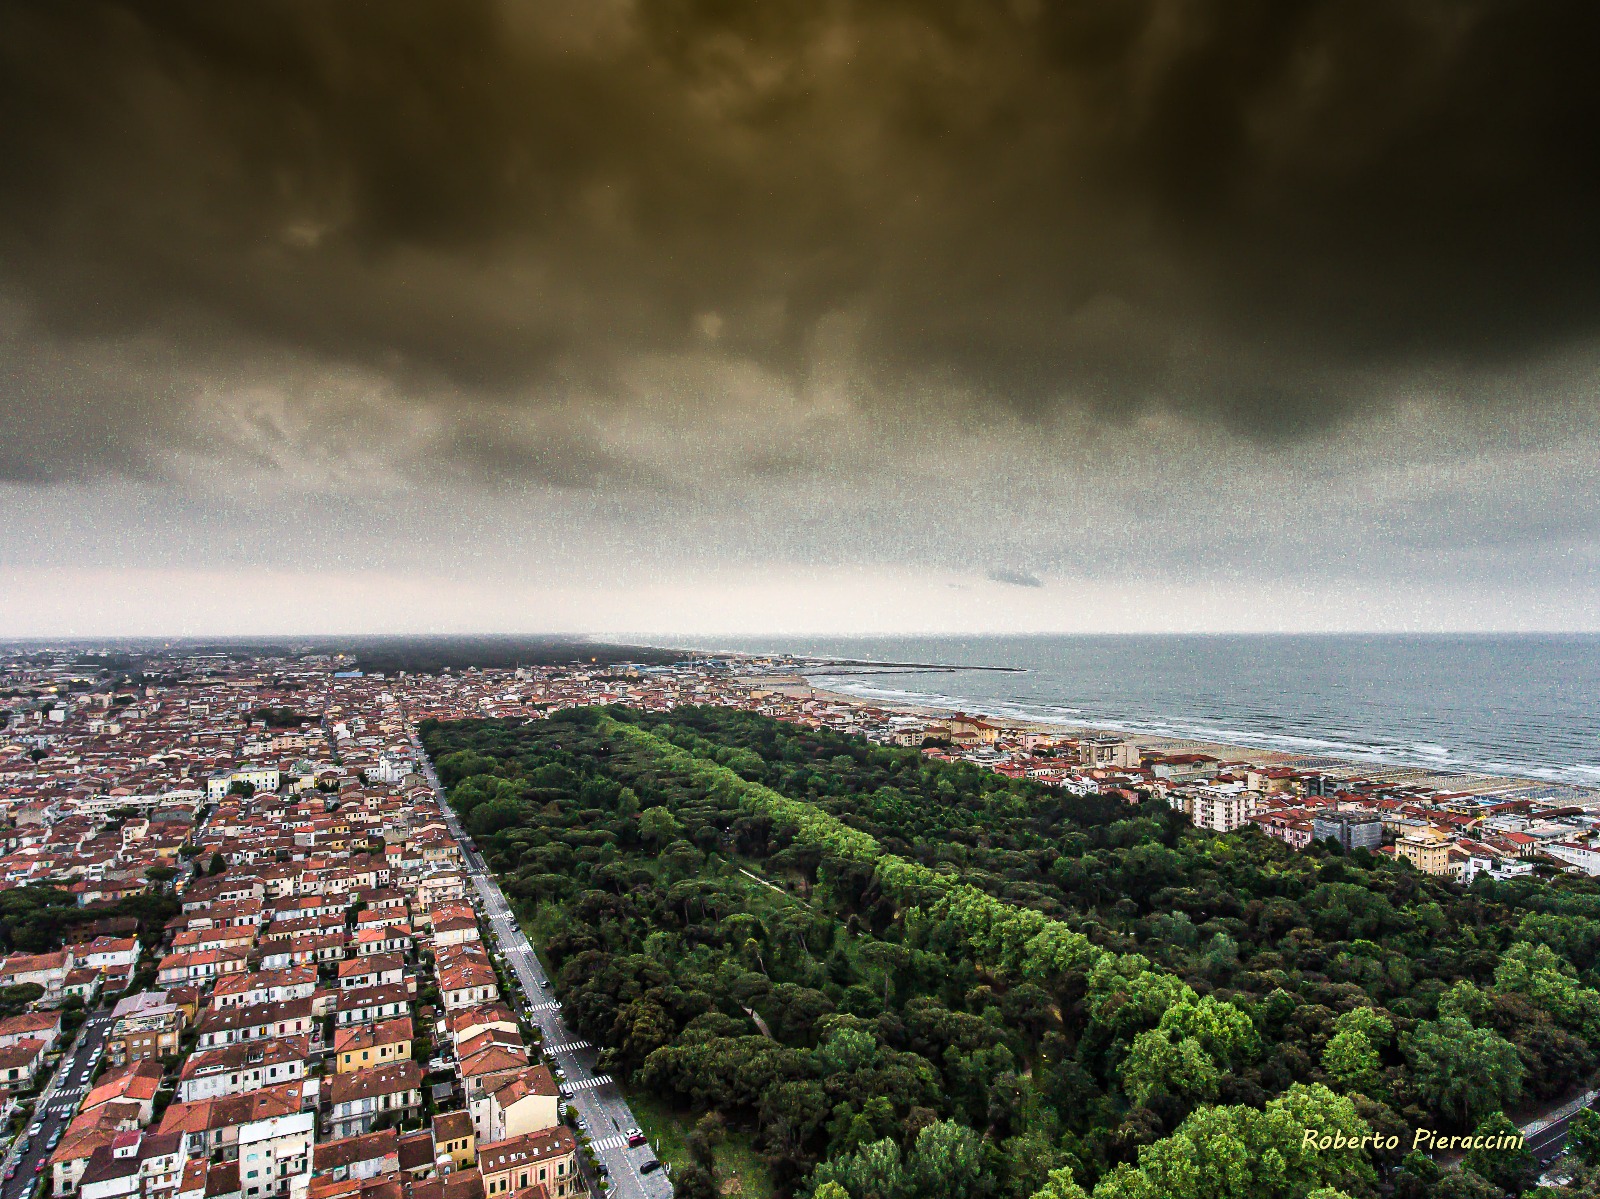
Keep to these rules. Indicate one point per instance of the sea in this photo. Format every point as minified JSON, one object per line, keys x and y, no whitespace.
{"x":1520,"y":706}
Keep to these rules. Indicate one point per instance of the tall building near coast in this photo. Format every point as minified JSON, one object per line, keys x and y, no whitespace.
{"x":1352,"y":830}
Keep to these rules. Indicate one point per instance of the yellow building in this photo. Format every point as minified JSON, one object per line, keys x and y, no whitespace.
{"x":453,"y":1138}
{"x":970,"y":730}
{"x":368,"y":1045}
{"x":1428,"y":855}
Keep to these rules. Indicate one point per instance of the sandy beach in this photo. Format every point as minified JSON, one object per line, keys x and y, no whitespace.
{"x":1463,"y":783}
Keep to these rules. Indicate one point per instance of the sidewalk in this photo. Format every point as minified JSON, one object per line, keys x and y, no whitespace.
{"x":1535,"y":1127}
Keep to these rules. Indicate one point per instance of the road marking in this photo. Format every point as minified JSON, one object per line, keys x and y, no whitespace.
{"x":519,"y":949}
{"x":617,"y":1142}
{"x":599,"y":1080}
{"x":544,"y":1007}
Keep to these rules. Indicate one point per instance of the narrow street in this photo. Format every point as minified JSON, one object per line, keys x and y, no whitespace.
{"x":604,"y":1112}
{"x":58,"y":1104}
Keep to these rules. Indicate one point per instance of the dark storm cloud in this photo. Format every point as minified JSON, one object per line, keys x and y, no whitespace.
{"x":1249,"y":211}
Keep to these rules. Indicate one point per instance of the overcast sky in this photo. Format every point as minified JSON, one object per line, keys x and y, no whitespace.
{"x":688,"y":316}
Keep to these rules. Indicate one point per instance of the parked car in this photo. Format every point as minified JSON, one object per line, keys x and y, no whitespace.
{"x":11,"y":1171}
{"x":55,"y":1139}
{"x":635,"y":1138}
{"x":650,"y":1166}
{"x":38,"y":1127}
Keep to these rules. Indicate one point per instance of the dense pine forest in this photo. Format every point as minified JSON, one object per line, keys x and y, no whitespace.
{"x":898,"y":978}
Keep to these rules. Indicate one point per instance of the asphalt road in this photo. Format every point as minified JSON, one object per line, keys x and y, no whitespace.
{"x":1549,"y":1143}
{"x":59,"y":1103}
{"x":605,"y":1113}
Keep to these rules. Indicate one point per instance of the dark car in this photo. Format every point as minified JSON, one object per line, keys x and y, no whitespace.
{"x":650,"y":1166}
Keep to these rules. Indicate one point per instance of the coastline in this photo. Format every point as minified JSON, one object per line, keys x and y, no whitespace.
{"x":1469,"y":783}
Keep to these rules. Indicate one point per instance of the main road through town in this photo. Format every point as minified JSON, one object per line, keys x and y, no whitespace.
{"x":58,"y":1103}
{"x":604,"y":1112}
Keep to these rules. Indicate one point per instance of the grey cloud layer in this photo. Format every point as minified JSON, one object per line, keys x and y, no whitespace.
{"x":1259,"y":214}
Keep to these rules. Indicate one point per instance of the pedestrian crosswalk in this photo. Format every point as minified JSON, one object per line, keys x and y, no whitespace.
{"x":544,"y":1007}
{"x":599,"y":1080}
{"x":617,"y":1142}
{"x":568,"y":1047}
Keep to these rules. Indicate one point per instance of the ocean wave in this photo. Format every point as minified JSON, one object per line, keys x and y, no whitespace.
{"x":1398,"y":751}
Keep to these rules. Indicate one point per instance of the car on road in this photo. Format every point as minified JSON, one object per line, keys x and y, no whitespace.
{"x":11,"y":1171}
{"x":39,"y":1165}
{"x":55,"y":1139}
{"x":635,"y":1138}
{"x":38,"y":1127}
{"x":650,"y":1167}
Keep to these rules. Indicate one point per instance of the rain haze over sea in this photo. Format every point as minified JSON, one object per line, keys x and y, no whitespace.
{"x":1520,"y":705}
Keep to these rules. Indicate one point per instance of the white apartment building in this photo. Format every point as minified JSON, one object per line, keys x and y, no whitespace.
{"x":275,"y":1156}
{"x":1219,"y":808}
{"x":1581,"y":856}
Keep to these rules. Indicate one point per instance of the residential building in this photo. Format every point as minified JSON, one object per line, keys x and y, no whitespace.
{"x":242,"y":1066}
{"x":358,"y":1099}
{"x":454,"y":1141}
{"x":545,"y":1159}
{"x":152,"y":1035}
{"x":31,"y":1026}
{"x":20,"y":1063}
{"x":362,"y":1046}
{"x":1351,"y":830}
{"x":524,"y":1103}
{"x":275,"y":1156}
{"x":48,"y":970}
{"x":1431,"y":856}
{"x":369,"y":1156}
{"x":135,"y":1164}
